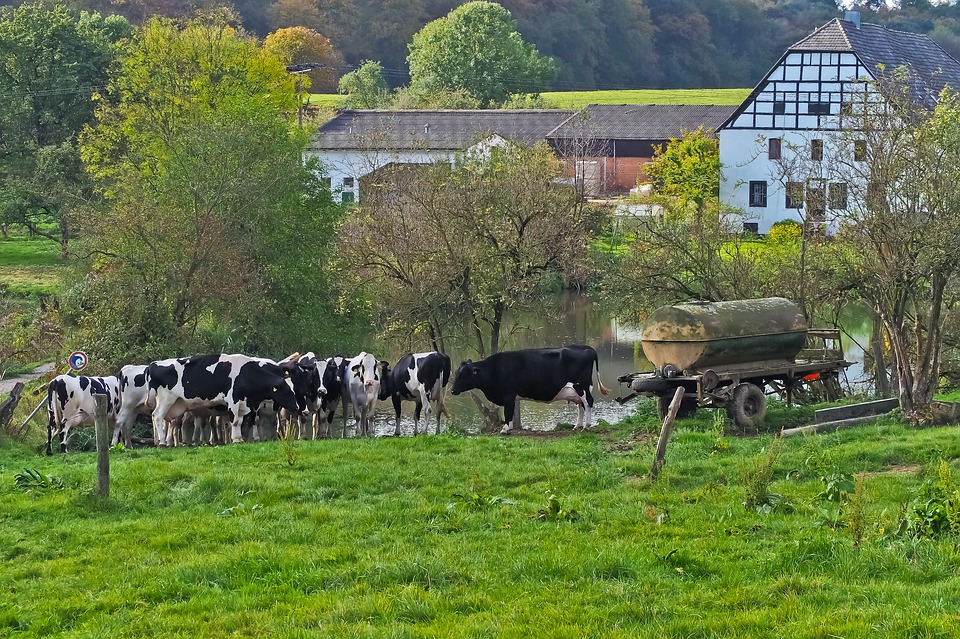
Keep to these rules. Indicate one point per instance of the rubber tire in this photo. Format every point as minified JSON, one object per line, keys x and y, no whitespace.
{"x":688,"y":406}
{"x":748,"y":406}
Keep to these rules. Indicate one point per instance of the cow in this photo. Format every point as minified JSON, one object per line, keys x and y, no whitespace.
{"x":333,"y":391}
{"x":237,"y":382}
{"x":308,"y":384}
{"x":418,"y":377}
{"x":362,"y":377}
{"x":71,"y":403}
{"x":134,"y":400}
{"x":539,"y":374}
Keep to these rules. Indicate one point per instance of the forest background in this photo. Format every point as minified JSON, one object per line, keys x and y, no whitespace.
{"x":597,"y":44}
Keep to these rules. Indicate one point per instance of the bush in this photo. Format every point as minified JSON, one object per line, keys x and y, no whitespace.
{"x":785,"y":231}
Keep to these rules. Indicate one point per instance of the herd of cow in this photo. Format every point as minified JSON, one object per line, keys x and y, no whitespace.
{"x":249,"y":398}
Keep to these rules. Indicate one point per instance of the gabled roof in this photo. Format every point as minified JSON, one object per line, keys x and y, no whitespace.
{"x":876,"y":45}
{"x":433,"y":130}
{"x":641,"y":121}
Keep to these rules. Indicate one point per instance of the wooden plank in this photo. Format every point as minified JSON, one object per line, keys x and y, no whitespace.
{"x":103,"y":445}
{"x":658,"y":460}
{"x":851,"y":411}
{"x":830,"y":426}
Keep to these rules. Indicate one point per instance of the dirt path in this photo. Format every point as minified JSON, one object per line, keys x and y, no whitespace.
{"x":6,"y":385}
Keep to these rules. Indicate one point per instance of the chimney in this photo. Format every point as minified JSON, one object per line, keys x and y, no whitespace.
{"x":852,"y":16}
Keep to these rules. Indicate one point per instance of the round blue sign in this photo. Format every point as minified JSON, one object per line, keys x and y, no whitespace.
{"x":77,"y":360}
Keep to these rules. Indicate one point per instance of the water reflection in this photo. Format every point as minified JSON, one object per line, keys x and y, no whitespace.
{"x":575,"y":318}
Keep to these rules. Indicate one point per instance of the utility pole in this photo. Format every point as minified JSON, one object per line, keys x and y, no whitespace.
{"x":298,"y":70}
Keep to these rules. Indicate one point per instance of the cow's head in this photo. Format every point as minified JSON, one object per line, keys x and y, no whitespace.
{"x":305,"y":377}
{"x":331,"y":381}
{"x":468,"y":377}
{"x":364,"y":370}
{"x":282,"y":394}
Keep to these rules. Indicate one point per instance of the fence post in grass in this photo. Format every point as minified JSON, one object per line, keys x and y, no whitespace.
{"x":103,"y":445}
{"x":658,"y":460}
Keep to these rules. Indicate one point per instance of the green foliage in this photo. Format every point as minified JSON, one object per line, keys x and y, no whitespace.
{"x":687,"y":170}
{"x":365,"y":88}
{"x":211,"y":225}
{"x":477,"y":501}
{"x":476,"y":49}
{"x":757,"y":474}
{"x":935,"y":511}
{"x":32,"y":480}
{"x":785,"y":232}
{"x":555,"y":510}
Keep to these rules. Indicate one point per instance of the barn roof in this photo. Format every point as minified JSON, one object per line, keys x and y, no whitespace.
{"x":441,"y":130}
{"x":641,"y":121}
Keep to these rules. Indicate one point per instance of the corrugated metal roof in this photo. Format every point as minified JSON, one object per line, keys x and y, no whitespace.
{"x":641,"y":121}
{"x":433,"y":130}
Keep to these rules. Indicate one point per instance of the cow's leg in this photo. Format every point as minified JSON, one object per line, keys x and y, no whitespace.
{"x":236,"y":425}
{"x":416,"y":418}
{"x":164,"y":404}
{"x":396,"y":409}
{"x":424,"y":404}
{"x":509,"y":411}
{"x":588,"y":406}
{"x":439,"y":397}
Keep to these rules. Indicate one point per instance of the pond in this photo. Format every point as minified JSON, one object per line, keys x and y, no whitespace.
{"x":573,"y":318}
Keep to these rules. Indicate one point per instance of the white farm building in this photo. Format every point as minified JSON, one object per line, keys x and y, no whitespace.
{"x":772,"y":147}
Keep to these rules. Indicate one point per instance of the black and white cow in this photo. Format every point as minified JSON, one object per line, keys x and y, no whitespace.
{"x":539,"y":374}
{"x":333,"y":392}
{"x":70,"y":404}
{"x":418,"y":377}
{"x":362,"y":377}
{"x":238,"y":382}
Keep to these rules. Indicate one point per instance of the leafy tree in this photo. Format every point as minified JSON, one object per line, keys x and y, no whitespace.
{"x":295,"y":13}
{"x":365,"y":88}
{"x":53,"y":63}
{"x":435,"y":246}
{"x":300,"y":44}
{"x":477,"y":49}
{"x":687,"y":170}
{"x":212,"y":230}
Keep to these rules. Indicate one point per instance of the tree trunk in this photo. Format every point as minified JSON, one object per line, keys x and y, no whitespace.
{"x":879,"y":362}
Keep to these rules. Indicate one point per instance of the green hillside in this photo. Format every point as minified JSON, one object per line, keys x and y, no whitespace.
{"x":578,"y":99}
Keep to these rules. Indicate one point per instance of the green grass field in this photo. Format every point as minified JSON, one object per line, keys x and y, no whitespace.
{"x":29,"y":266}
{"x":447,"y":536}
{"x":580,"y":99}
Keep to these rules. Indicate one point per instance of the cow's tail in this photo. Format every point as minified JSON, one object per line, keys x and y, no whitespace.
{"x":603,"y":389}
{"x":52,"y":415}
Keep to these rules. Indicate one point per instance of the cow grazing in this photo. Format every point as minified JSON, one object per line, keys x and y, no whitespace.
{"x":539,"y":374}
{"x":237,"y":382}
{"x":421,"y":378}
{"x":71,"y":404}
{"x":362,"y":377}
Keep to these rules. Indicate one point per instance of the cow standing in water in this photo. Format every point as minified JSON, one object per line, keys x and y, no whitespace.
{"x":421,"y":378}
{"x":362,"y":377}
{"x":538,"y":374}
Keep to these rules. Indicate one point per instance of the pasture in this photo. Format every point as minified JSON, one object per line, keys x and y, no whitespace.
{"x":580,"y":99}
{"x":29,"y":266}
{"x":557,"y":535}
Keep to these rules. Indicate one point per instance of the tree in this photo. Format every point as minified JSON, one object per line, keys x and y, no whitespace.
{"x":300,"y":44}
{"x":687,"y":170}
{"x":438,"y":247}
{"x":212,"y":229}
{"x":54,"y":62}
{"x":904,"y":220}
{"x":365,"y":88}
{"x":477,"y":49}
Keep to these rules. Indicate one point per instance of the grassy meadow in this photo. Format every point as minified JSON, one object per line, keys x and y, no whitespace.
{"x":451,"y":536}
{"x":580,"y":99}
{"x":29,"y":266}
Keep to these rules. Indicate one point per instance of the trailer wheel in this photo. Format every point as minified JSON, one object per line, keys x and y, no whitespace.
{"x":748,"y":406}
{"x":688,"y":406}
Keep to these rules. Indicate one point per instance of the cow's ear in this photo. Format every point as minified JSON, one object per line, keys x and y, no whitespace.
{"x":355,"y":368}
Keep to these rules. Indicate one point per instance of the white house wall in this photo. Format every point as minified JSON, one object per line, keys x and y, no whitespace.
{"x":345,"y":168}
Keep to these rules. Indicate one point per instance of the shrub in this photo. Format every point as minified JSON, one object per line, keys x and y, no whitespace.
{"x":785,"y":231}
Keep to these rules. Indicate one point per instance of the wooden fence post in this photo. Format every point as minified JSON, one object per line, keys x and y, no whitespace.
{"x":103,"y":445}
{"x":658,"y":460}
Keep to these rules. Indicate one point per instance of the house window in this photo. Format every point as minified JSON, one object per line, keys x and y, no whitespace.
{"x":837,"y":194}
{"x":794,"y":195}
{"x":816,"y":150}
{"x":859,"y":150}
{"x":758,"y":193}
{"x":779,"y":108}
{"x":816,"y":200}
{"x":751,"y":227}
{"x":773,"y":149}
{"x":818,"y":108}
{"x":348,"y":182}
{"x":347,"y":197}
